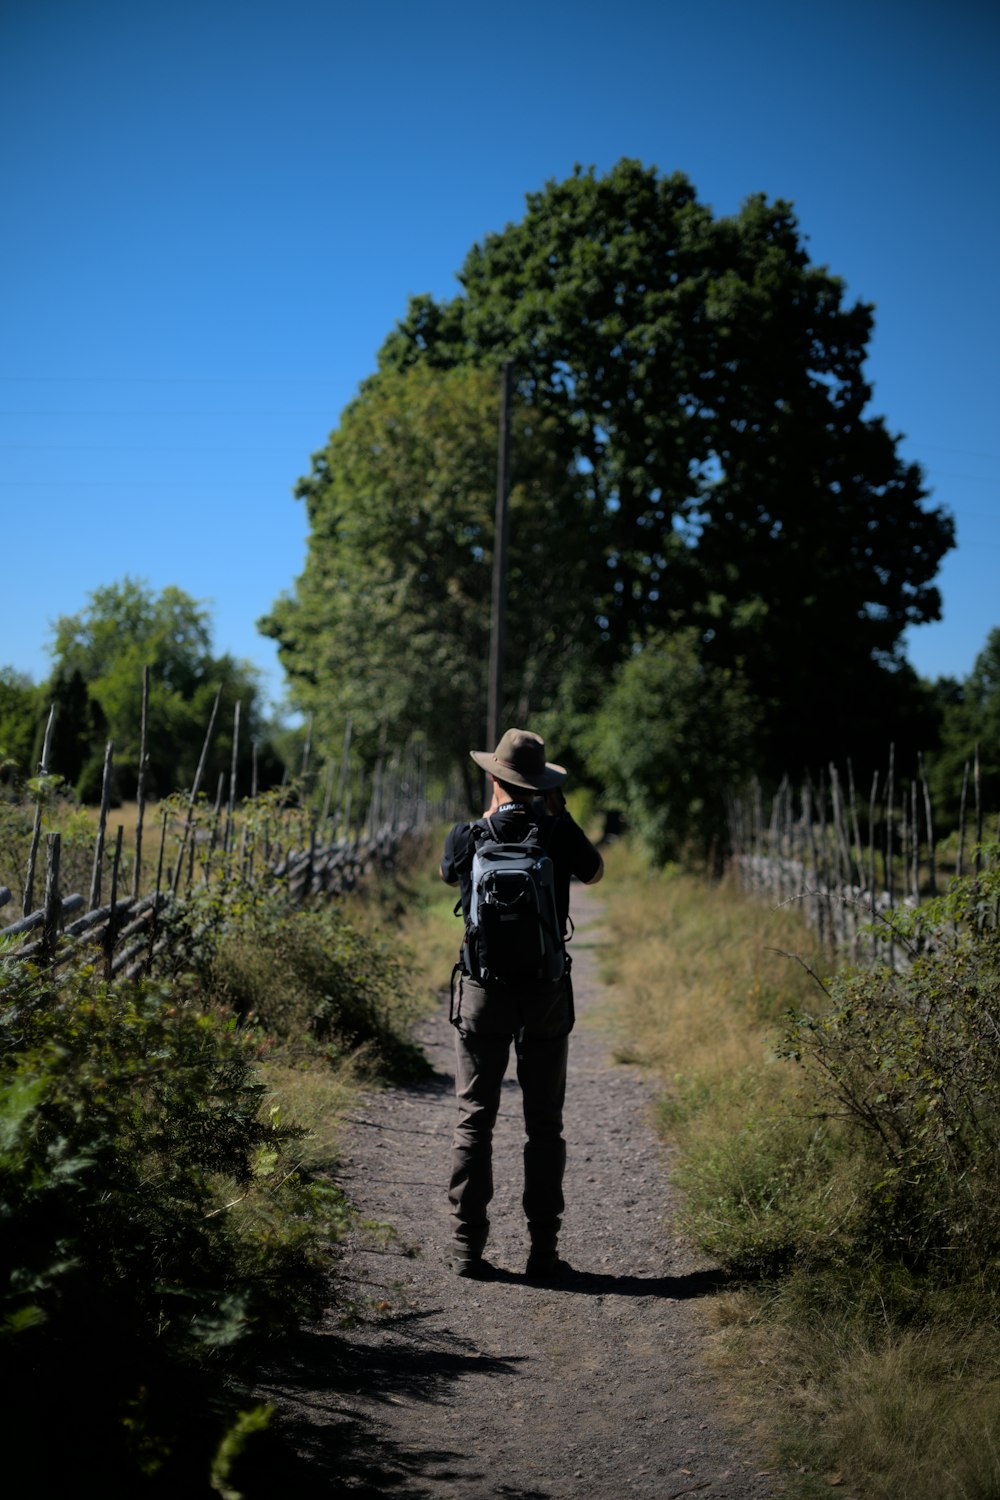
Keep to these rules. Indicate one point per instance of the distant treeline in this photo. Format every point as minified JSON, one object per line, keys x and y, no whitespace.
{"x":96,"y":689}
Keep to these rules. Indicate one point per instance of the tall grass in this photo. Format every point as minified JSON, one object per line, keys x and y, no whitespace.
{"x":865,"y":1352}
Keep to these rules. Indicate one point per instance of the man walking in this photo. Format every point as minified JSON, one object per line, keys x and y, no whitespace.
{"x":536,"y":1017}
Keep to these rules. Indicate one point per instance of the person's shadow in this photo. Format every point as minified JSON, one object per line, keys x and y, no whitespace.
{"x":604,"y":1283}
{"x":326,"y":1440}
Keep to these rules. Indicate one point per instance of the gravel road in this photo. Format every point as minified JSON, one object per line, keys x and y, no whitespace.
{"x":474,"y":1390}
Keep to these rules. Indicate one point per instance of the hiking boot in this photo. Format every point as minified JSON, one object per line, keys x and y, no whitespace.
{"x":545,"y":1265}
{"x":470,"y":1264}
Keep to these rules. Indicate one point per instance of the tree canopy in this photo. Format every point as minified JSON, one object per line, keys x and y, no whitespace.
{"x":389,"y":622}
{"x":692,"y":450}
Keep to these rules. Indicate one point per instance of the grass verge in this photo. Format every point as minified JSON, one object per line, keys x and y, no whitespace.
{"x":168,"y":1182}
{"x":861,"y":1345}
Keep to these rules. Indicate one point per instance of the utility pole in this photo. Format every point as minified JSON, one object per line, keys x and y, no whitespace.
{"x":501,"y":529}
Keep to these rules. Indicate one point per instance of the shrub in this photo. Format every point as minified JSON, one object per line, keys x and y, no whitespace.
{"x":671,"y":734}
{"x":313,"y":976}
{"x":153,"y":1220}
{"x":759,"y":1198}
{"x":910,"y":1060}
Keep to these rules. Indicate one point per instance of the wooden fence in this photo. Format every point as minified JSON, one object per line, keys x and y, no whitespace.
{"x":851,"y":859}
{"x":310,"y":846}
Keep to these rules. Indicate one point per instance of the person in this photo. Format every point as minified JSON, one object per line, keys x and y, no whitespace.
{"x":537,"y":1018}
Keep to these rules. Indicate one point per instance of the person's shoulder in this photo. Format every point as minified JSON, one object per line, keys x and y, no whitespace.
{"x":569,"y":842}
{"x":458,"y":838}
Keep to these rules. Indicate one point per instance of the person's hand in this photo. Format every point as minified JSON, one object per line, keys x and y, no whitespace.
{"x":555,"y":802}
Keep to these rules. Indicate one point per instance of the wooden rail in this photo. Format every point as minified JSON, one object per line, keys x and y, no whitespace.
{"x":850,"y":860}
{"x":268,"y":843}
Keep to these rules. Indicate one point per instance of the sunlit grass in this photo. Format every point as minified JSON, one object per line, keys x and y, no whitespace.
{"x":822,"y":1362}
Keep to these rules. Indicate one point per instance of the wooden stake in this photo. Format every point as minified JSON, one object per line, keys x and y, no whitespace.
{"x":97,"y":874}
{"x":855,"y":825}
{"x":231,"y":805}
{"x":110,"y":935}
{"x":140,"y":787}
{"x":929,"y":820}
{"x":28,"y":897}
{"x":195,"y":790}
{"x":343,"y":785}
{"x":961,"y":821}
{"x":53,"y":906}
{"x":306,"y":753}
{"x":872,"y":809}
{"x":977,"y":781}
{"x":331,"y":767}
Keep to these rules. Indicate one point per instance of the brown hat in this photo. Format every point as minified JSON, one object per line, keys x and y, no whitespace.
{"x":519,"y":760}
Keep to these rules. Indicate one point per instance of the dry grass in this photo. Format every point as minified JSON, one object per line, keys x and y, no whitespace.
{"x":695,"y":980}
{"x":840,"y":1397}
{"x":126,"y":816}
{"x":910,"y":1415}
{"x":315,"y":1098}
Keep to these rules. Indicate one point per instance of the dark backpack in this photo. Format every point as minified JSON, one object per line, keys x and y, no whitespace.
{"x":513,"y":936}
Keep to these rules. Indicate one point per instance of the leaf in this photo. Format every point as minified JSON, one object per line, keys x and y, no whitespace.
{"x":18,"y":1100}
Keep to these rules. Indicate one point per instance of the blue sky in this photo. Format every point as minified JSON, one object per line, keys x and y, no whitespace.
{"x":214,"y":213}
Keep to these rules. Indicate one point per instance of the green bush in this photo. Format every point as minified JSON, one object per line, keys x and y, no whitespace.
{"x":672,"y":732}
{"x":153,"y":1223}
{"x":910,"y":1060}
{"x":315,"y":977}
{"x":77,"y":835}
{"x":760,"y":1199}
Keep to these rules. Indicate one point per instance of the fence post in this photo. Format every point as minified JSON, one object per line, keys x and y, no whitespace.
{"x":53,"y":906}
{"x":111,"y":933}
{"x":195,"y":790}
{"x":96,"y":879}
{"x":961,"y":819}
{"x":43,"y":770}
{"x":231,"y":805}
{"x":977,"y":783}
{"x":140,"y":789}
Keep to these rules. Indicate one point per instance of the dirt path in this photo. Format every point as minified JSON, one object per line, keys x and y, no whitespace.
{"x":475,"y":1390}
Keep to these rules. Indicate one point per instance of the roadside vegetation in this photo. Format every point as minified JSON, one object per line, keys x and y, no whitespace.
{"x":836,"y":1140}
{"x":168,"y":1183}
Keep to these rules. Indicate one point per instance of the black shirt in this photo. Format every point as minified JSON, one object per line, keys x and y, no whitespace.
{"x":566,"y":844}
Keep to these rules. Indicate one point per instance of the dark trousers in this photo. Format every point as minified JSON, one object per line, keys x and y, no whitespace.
{"x":486,"y":1025}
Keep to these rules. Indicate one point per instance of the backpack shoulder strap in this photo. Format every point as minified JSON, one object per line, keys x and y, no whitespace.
{"x":484,"y":828}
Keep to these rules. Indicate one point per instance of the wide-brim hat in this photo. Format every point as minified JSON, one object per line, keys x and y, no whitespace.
{"x":519,"y":760}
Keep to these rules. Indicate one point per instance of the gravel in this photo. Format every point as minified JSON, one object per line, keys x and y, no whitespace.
{"x":444,"y":1387}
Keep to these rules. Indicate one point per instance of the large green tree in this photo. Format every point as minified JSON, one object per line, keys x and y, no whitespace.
{"x":693,"y":405}
{"x":96,"y":684}
{"x":389,"y":623}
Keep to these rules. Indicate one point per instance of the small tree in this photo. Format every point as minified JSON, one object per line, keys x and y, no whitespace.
{"x":672,"y":734}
